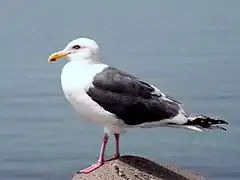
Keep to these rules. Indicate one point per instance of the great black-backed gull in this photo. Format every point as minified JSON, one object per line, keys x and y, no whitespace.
{"x":117,"y":100}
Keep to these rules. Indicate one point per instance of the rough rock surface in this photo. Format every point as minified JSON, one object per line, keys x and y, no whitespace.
{"x":137,"y":168}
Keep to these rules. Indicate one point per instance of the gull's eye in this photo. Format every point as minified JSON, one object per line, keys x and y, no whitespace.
{"x":76,"y":47}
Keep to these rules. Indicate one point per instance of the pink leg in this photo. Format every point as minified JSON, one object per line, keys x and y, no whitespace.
{"x":100,"y":161}
{"x":117,"y":151}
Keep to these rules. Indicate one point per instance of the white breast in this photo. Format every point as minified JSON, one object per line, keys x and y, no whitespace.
{"x":75,"y":79}
{"x":77,"y":75}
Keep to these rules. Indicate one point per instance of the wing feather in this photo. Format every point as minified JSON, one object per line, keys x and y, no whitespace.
{"x":130,"y":99}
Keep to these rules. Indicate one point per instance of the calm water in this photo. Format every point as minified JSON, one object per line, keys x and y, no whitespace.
{"x":189,"y":49}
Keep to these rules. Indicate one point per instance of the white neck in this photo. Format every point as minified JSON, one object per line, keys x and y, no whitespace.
{"x":95,"y":59}
{"x":77,"y":74}
{"x":85,"y":57}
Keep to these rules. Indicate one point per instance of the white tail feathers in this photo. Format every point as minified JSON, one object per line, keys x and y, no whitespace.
{"x":193,"y":128}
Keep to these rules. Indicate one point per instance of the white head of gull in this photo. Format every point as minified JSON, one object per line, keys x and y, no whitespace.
{"x":117,"y":100}
{"x":78,"y":49}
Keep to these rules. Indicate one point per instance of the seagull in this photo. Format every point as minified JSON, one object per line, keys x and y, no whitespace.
{"x":118,"y":100}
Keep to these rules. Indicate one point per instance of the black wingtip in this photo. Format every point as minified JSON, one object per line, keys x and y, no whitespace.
{"x":222,"y":122}
{"x":219,"y":121}
{"x":207,"y":122}
{"x":214,"y":121}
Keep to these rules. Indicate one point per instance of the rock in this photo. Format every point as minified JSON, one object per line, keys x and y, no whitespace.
{"x":137,"y":168}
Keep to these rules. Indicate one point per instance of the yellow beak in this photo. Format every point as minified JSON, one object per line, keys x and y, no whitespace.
{"x":57,"y":56}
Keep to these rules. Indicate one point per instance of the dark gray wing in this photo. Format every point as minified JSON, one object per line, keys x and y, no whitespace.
{"x":132,"y":100}
{"x":114,"y":80}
